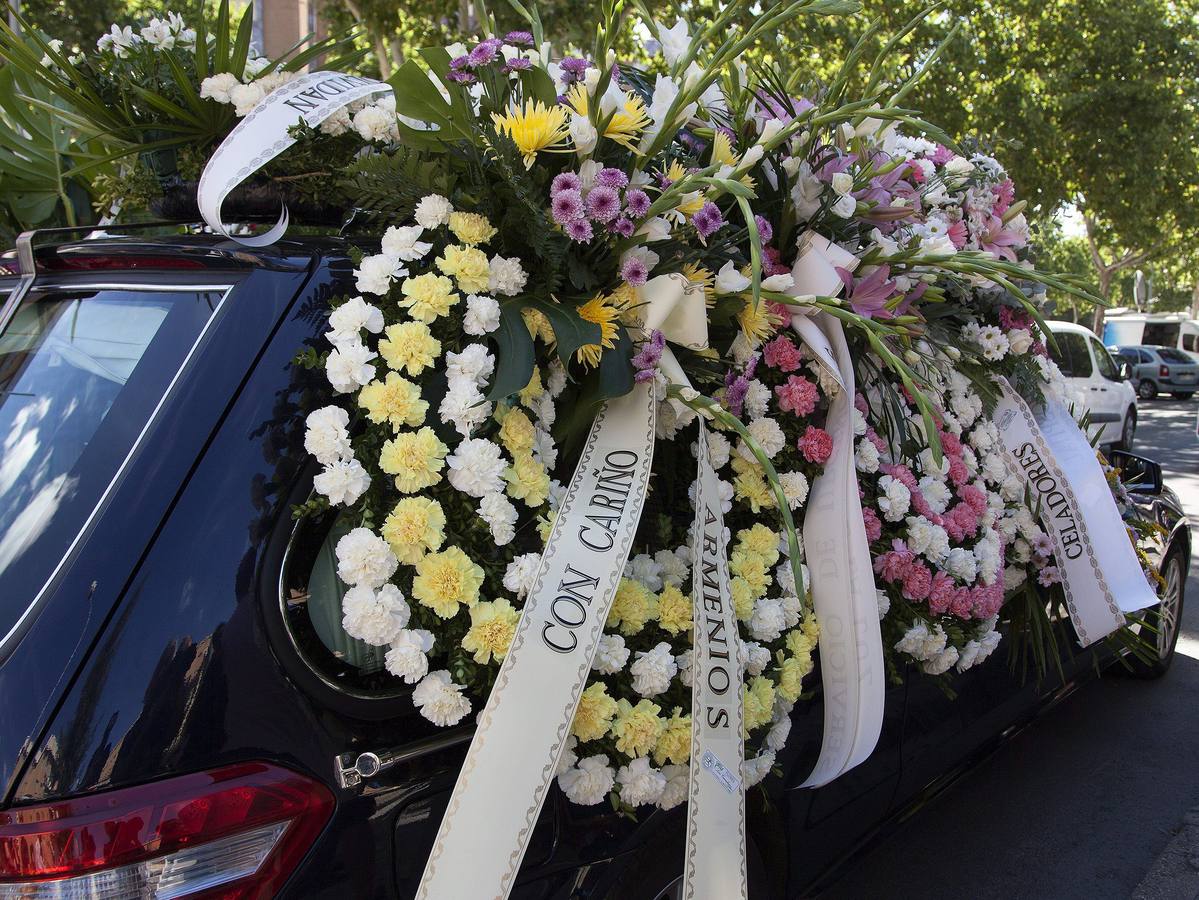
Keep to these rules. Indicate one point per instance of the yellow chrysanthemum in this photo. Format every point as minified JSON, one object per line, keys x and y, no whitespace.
{"x":492,"y":627}
{"x":703,"y":277}
{"x":674,"y":746}
{"x":633,"y":606}
{"x":757,"y":702}
{"x":599,"y":311}
{"x":395,"y":399}
{"x":723,"y":155}
{"x":762,"y":540}
{"x":692,"y":202}
{"x":627,"y":302}
{"x":637,"y":728}
{"x":446,"y":580}
{"x":674,"y":610}
{"x":757,"y":322}
{"x":516,"y":432}
{"x":415,"y":458}
{"x":538,"y":325}
{"x":409,"y":346}
{"x":534,"y":127}
{"x":533,"y":389}
{"x":594,"y":716}
{"x":471,"y":228}
{"x":626,"y":123}
{"x":468,"y":266}
{"x":527,"y":480}
{"x":743,"y":598}
{"x":414,"y":527}
{"x":428,"y":296}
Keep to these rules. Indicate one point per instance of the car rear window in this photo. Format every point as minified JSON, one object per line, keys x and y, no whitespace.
{"x":1170,"y":355}
{"x":1069,"y":351}
{"x":82,"y":373}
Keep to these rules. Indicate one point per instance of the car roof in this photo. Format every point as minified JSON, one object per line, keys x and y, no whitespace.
{"x":1057,"y":325}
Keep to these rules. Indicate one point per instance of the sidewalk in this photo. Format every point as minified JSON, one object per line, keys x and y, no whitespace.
{"x":1175,"y":874}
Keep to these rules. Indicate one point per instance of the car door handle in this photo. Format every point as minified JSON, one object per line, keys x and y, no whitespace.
{"x":352,"y":769}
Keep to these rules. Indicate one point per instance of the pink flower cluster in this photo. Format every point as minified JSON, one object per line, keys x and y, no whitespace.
{"x":608,"y":201}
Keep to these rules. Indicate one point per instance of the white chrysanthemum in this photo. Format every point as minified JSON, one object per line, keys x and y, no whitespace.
{"x":464,"y":406}
{"x":348,"y":367}
{"x":482,"y":314}
{"x":518,"y":578}
{"x":653,"y":670}
{"x":347,"y":321}
{"x":757,"y":399}
{"x":768,"y":621}
{"x":589,"y":782}
{"x":507,"y":277}
{"x":476,"y":467}
{"x":776,"y":737}
{"x":645,"y":569}
{"x":674,"y":565}
{"x":754,"y":770}
{"x":376,"y":617}
{"x":408,"y":656}
{"x":375,"y":274}
{"x":685,"y":662}
{"x":753,"y":656}
{"x":640,"y":783}
{"x":475,"y":364}
{"x":795,"y":488}
{"x":894,"y":499}
{"x":343,"y":481}
{"x":440,"y":700}
{"x":432,"y":210}
{"x":326,"y":436}
{"x":403,"y":242}
{"x":769,"y":437}
{"x":217,"y":87}
{"x":364,"y":558}
{"x":994,"y":343}
{"x":500,"y":515}
{"x":611,"y":656}
{"x":677,"y":782}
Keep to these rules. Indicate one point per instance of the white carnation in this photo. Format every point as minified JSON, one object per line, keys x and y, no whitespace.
{"x":653,"y":670}
{"x":376,"y":617}
{"x":518,"y":578}
{"x":757,"y":399}
{"x":343,"y":481}
{"x":589,"y":782}
{"x":347,"y":321}
{"x":217,"y":87}
{"x":475,"y":364}
{"x":326,"y":436}
{"x":768,"y":620}
{"x":936,"y":492}
{"x":942,"y":662}
{"x":482,"y":314}
{"x":568,"y":757}
{"x":500,"y":515}
{"x":432,"y":210}
{"x":769,"y":437}
{"x":408,"y":657}
{"x":754,"y":658}
{"x":403,"y":242}
{"x":464,"y":406}
{"x":375,"y":124}
{"x":685,"y":660}
{"x":719,"y":450}
{"x":678,"y":780}
{"x":645,"y":569}
{"x":364,"y":558}
{"x":245,"y":97}
{"x":611,"y":655}
{"x":866,"y":457}
{"x":894,"y":498}
{"x":440,"y":700}
{"x":348,"y":367}
{"x":673,"y":565}
{"x":754,"y":770}
{"x":962,"y":564}
{"x":476,"y":467}
{"x":375,"y":274}
{"x":776,"y":737}
{"x":640,"y":783}
{"x":795,"y":488}
{"x":507,"y":276}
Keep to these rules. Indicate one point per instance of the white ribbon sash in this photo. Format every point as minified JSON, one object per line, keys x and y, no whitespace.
{"x":1101,"y":575}
{"x":714,"y":866}
{"x":835,"y":543}
{"x":262,"y":135}
{"x":524,"y":726}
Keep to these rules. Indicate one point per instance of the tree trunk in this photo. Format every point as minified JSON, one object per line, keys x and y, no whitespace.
{"x":1106,"y":271}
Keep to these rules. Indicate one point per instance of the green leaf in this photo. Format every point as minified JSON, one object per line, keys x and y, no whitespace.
{"x":418,"y":97}
{"x":538,"y":85}
{"x":570,"y":330}
{"x":615,"y":368}
{"x":241,"y":46}
{"x":514,"y":352}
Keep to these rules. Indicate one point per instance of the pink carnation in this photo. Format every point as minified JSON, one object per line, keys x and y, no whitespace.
{"x":798,"y":395}
{"x":816,"y":445}
{"x":941,"y":594}
{"x":874,"y":527}
{"x":917,"y":581}
{"x":894,"y":564}
{"x":782,"y":354}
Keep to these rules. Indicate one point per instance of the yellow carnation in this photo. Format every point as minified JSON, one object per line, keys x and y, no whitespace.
{"x":428,"y":296}
{"x":757,"y":703}
{"x":395,"y":400}
{"x":674,"y":610}
{"x":762,"y":540}
{"x":633,"y":606}
{"x":516,"y":432}
{"x":492,"y":627}
{"x":674,"y":745}
{"x":545,"y":524}
{"x":527,"y":480}
{"x":743,"y":598}
{"x":750,"y":567}
{"x":469,"y":267}
{"x":799,"y":642}
{"x":415,"y":526}
{"x":415,"y":458}
{"x":446,"y":579}
{"x":791,"y":673}
{"x":637,"y":728}
{"x":409,"y":346}
{"x":471,"y":228}
{"x":595,"y":712}
{"x":751,"y":487}
{"x":533,"y":389}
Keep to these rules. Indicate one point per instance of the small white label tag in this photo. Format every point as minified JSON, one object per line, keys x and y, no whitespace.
{"x":721,"y":772}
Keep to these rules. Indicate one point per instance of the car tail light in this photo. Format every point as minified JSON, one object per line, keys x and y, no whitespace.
{"x":233,"y":833}
{"x":1163,"y":371}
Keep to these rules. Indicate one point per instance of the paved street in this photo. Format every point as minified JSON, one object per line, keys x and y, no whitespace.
{"x":1093,"y":798}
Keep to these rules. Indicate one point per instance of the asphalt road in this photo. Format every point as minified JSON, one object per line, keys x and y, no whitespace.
{"x":1081,"y":804}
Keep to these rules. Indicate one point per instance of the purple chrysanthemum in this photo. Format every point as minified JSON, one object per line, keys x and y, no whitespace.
{"x":622,"y":226}
{"x":634,"y":271}
{"x":765,"y":232}
{"x":649,"y":356}
{"x":517,"y":64}
{"x":574,"y":67}
{"x":735,"y":388}
{"x":613,"y":178}
{"x":637,"y":203}
{"x":566,"y":206}
{"x":458,"y":63}
{"x":518,"y":37}
{"x":579,"y":230}
{"x":566,"y":181}
{"x":708,"y":220}
{"x":603,"y":203}
{"x":485,"y":53}
{"x":461,"y":77}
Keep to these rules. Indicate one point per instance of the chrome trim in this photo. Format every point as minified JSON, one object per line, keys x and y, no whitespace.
{"x":353,"y":769}
{"x":14,"y":632}
{"x":25,"y":280}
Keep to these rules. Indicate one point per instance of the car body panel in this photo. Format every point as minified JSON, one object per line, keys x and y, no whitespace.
{"x":1147,"y":363}
{"x":1094,"y":378}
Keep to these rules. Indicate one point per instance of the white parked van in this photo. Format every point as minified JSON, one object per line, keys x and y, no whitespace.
{"x":1098,"y":383}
